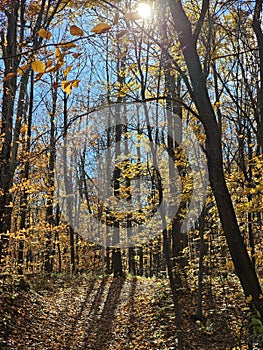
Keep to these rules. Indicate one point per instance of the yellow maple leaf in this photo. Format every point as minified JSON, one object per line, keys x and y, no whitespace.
{"x":74,"y":30}
{"x":45,"y":34}
{"x":101,"y":28}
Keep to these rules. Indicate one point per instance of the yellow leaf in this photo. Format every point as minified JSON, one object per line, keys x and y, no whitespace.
{"x":67,"y":70}
{"x":45,"y":34}
{"x":74,"y":30}
{"x":9,"y":76}
{"x":49,"y":63}
{"x":21,"y":70}
{"x":58,"y":54}
{"x":38,"y":76}
{"x":66,"y":86}
{"x":38,"y":66}
{"x":132,"y":16}
{"x":101,"y":28}
{"x":121,"y":33}
{"x":75,"y":83}
{"x":65,"y":45}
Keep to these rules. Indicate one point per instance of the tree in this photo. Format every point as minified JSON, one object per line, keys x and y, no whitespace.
{"x":188,"y":38}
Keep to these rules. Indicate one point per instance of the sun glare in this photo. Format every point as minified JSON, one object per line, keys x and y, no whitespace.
{"x":144,"y":10}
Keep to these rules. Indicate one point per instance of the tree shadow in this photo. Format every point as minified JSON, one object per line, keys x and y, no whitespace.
{"x":82,"y":308}
{"x":132,"y":317}
{"x":101,"y":326}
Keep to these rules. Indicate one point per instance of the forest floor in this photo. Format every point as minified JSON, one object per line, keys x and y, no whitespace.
{"x":82,"y":313}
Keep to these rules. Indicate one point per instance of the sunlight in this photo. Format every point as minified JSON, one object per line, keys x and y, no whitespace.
{"x":144,"y":10}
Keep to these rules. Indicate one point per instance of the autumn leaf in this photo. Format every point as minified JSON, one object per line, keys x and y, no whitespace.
{"x":21,"y":70}
{"x":76,"y":55}
{"x":45,"y":34}
{"x":38,"y":66}
{"x":65,"y":45}
{"x":101,"y":28}
{"x":132,"y":16}
{"x":68,"y":85}
{"x":67,"y":70}
{"x":76,"y":31}
{"x":75,"y":83}
{"x":9,"y":76}
{"x":59,"y":56}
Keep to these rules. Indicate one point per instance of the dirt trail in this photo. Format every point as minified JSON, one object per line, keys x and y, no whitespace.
{"x":112,"y":313}
{"x":98,"y":314}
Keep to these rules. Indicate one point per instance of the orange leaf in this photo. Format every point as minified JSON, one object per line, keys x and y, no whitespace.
{"x":65,"y":45}
{"x":9,"y":76}
{"x":74,"y":30}
{"x":21,"y":70}
{"x":76,"y":55}
{"x":45,"y":34}
{"x":101,"y":28}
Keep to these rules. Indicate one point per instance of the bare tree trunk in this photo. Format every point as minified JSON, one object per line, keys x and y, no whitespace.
{"x":243,"y":265}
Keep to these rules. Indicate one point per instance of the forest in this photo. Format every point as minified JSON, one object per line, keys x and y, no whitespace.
{"x":131,"y":174}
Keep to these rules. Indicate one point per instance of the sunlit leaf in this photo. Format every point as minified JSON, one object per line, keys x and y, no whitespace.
{"x":66,"y":86}
{"x":38,"y":66}
{"x":67,"y":70}
{"x":21,"y":70}
{"x":45,"y":34}
{"x":75,"y":83}
{"x":58,"y":54}
{"x":65,"y":45}
{"x":74,"y":30}
{"x":101,"y":28}
{"x":9,"y":76}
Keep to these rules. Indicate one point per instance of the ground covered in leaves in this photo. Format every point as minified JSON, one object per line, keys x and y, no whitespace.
{"x":91,"y":312}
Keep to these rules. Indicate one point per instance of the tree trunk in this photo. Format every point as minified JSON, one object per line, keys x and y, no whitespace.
{"x":243,"y":265}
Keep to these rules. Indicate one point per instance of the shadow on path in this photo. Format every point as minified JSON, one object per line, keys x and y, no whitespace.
{"x":102,"y":325}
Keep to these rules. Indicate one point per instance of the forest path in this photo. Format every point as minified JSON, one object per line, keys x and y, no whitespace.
{"x":110,"y":313}
{"x":95,"y":313}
